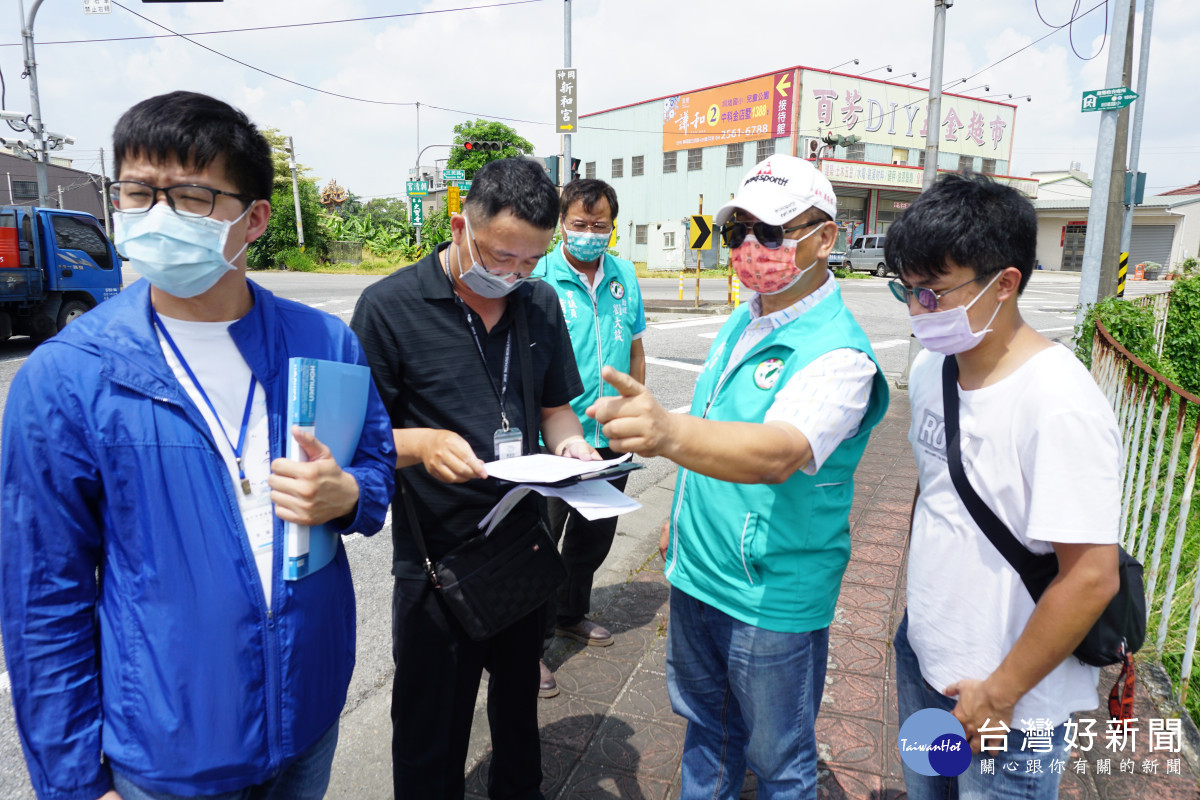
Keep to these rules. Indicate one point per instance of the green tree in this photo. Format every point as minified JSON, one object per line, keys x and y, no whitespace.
{"x":482,"y":130}
{"x":281,"y":229}
{"x":387,"y":209}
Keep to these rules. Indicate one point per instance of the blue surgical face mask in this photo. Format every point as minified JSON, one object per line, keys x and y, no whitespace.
{"x":587,"y":247}
{"x":478,"y":279}
{"x":182,"y":256}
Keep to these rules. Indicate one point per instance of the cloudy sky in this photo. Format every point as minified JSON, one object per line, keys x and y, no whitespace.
{"x":495,"y":59}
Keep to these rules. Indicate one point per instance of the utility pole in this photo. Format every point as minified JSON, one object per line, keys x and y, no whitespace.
{"x":1113,"y":217}
{"x":1093,"y":246}
{"x":296,"y":193}
{"x":1138,"y":108}
{"x":104,"y":195}
{"x":933,"y":128}
{"x":35,"y":106}
{"x":566,"y":161}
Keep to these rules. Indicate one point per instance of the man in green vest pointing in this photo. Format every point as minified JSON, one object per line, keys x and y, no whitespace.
{"x":759,"y":534}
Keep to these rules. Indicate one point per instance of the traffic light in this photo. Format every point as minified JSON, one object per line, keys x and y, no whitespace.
{"x":574,"y":168}
{"x":839,"y":141}
{"x":483,"y":147}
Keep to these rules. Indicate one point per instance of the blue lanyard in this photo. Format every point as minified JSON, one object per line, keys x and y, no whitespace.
{"x":237,"y":451}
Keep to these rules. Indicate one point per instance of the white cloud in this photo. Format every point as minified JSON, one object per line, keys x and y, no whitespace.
{"x":500,"y":62}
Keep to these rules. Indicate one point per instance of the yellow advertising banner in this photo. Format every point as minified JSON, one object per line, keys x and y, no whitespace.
{"x":760,"y":108}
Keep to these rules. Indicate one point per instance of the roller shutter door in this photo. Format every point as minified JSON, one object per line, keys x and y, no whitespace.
{"x":1151,"y":243}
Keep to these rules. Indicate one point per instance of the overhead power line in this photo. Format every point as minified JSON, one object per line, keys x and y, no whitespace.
{"x":278,"y":27}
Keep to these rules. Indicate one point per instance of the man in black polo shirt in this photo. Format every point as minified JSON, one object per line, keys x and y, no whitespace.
{"x":440,"y":339}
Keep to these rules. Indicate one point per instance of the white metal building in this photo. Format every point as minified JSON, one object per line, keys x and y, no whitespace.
{"x":667,"y":155}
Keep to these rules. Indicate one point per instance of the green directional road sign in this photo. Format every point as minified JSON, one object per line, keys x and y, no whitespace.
{"x":464,"y":187}
{"x":1108,"y":99}
{"x":454,"y":174}
{"x":417,"y":214}
{"x":417,"y":188}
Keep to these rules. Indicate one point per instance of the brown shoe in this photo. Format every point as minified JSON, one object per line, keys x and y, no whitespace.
{"x":548,"y":687}
{"x":587,"y":632}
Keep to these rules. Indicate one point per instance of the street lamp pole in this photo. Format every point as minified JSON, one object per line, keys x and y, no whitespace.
{"x":933,"y":117}
{"x":35,"y":124}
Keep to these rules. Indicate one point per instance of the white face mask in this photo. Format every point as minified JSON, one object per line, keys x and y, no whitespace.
{"x":478,"y":279}
{"x":182,"y":256}
{"x":949,"y":332}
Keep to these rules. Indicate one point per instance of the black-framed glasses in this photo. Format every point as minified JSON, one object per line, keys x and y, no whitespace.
{"x":734,"y":232}
{"x":516,"y":276}
{"x":928,"y":298}
{"x":185,"y":199}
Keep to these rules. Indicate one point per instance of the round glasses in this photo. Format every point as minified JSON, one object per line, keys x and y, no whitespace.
{"x":927,"y":298}
{"x":734,"y":232}
{"x":185,"y":199}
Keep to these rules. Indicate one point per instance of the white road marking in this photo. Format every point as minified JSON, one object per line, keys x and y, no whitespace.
{"x":681,"y":410}
{"x":888,"y":343}
{"x":5,"y":683}
{"x":691,"y":323}
{"x":712,"y":335}
{"x":1056,"y":330}
{"x":666,"y":362}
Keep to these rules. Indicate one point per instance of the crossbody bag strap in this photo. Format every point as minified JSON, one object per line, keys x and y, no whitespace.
{"x":414,"y":526}
{"x":1025,"y":562}
{"x":532,"y":423}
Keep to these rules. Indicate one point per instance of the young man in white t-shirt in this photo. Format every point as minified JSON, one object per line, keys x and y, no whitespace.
{"x":1040,"y":446}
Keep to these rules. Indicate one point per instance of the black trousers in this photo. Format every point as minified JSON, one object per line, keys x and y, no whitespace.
{"x":438,"y":668}
{"x":585,"y":545}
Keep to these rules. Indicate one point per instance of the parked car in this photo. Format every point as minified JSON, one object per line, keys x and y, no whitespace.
{"x":837,"y":258}
{"x":866,"y":254}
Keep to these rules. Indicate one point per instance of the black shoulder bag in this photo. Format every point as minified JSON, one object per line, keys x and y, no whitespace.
{"x":1119,"y":631}
{"x":490,"y":582}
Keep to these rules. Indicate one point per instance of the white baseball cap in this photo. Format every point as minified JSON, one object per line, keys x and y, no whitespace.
{"x":780,"y":189}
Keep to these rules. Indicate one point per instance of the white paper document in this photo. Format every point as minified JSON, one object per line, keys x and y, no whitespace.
{"x":593,"y":499}
{"x":545,"y":468}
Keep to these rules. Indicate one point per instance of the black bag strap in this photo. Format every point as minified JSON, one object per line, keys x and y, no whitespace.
{"x":1029,"y":566}
{"x":532,"y":423}
{"x":528,"y":434}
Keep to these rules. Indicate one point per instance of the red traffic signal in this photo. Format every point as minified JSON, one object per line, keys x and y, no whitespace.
{"x":483,"y":147}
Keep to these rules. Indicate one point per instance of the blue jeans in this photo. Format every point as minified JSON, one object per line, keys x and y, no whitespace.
{"x":750,"y":697}
{"x":1012,"y":775}
{"x":306,"y":778}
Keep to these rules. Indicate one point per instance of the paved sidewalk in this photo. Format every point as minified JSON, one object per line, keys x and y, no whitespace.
{"x":611,"y":731}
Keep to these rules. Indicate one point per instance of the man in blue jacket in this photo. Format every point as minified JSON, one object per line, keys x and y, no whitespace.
{"x":143,"y":496}
{"x":759,"y":535}
{"x":602,"y":304}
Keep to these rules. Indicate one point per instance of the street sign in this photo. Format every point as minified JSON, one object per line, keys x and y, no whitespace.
{"x":1108,"y":99}
{"x":454,"y":174}
{"x":417,"y":214}
{"x":452,"y":200}
{"x":464,"y":187}
{"x":417,"y":188}
{"x":566,"y":115}
{"x":700,"y":232}
{"x":97,"y":7}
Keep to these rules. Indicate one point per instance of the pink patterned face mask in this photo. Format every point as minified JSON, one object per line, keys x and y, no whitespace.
{"x":768,"y":271}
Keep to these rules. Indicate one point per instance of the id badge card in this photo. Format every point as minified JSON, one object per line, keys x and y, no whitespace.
{"x":507,"y":443}
{"x":258,"y":514}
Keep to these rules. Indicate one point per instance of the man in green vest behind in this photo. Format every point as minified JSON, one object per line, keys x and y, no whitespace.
{"x":602,"y":304}
{"x":759,"y":535}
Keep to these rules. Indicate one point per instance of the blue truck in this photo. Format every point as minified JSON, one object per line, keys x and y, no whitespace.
{"x":54,"y":266}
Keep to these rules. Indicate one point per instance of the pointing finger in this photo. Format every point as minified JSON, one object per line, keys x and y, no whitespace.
{"x":623,"y":383}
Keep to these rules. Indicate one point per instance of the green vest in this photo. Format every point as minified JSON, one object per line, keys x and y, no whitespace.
{"x":770,"y":555}
{"x":601,"y":331}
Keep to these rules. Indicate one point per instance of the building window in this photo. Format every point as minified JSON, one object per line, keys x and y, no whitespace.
{"x":669,"y":162}
{"x":766,"y":147}
{"x":921,"y":159}
{"x":989,"y":166}
{"x":669,"y":240}
{"x":589,"y":169}
{"x":24,"y":190}
{"x":733,"y":155}
{"x":966,"y":163}
{"x":638,"y":167}
{"x":695,"y":159}
{"x":639,"y":232}
{"x":857,"y":152}
{"x":618,"y":168}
